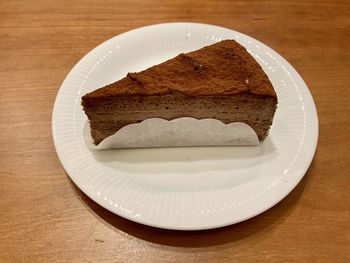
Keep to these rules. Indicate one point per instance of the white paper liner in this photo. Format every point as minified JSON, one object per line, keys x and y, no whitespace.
{"x":156,"y":132}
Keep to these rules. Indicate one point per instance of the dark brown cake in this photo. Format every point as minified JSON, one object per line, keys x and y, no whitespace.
{"x":222,"y":81}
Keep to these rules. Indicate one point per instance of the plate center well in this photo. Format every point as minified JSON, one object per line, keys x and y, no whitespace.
{"x":189,"y":168}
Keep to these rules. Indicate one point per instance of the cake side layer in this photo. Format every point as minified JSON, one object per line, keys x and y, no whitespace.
{"x":108,"y":117}
{"x":224,"y":68}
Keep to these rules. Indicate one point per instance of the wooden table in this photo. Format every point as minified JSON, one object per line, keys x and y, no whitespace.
{"x":45,"y":218}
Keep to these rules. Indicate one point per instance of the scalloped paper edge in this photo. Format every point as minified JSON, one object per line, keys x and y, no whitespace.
{"x":180,"y":132}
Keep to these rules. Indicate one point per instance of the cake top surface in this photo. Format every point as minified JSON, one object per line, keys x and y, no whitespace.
{"x":224,"y":68}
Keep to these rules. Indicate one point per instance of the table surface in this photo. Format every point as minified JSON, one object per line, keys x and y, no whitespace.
{"x":44,"y":217}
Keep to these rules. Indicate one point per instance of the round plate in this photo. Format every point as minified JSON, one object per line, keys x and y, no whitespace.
{"x":185,"y":188}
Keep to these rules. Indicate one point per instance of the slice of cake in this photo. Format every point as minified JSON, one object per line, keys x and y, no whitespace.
{"x":221,"y":81}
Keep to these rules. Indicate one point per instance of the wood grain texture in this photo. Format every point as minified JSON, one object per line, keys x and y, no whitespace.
{"x":45,"y":218}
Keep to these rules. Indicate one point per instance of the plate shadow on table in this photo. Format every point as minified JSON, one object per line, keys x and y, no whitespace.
{"x":252,"y":230}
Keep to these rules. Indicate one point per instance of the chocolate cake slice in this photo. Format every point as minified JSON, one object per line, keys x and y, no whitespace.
{"x":221,"y":81}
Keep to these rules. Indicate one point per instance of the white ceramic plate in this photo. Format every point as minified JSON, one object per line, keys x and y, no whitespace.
{"x":185,"y":188}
